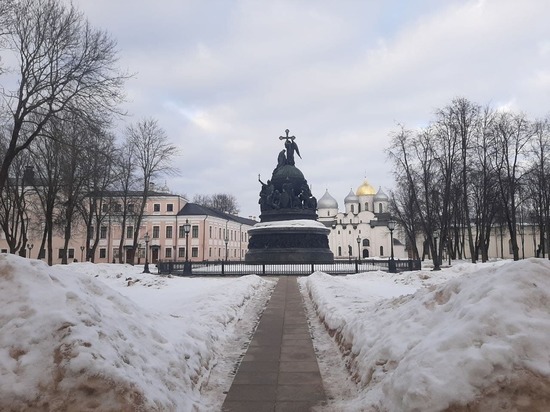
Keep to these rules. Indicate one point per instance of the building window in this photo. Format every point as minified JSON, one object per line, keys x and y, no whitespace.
{"x":352,"y":208}
{"x":103,"y":232}
{"x":210,"y":231}
{"x":118,"y":207}
{"x":195,"y":252}
{"x":195,"y":232}
{"x":104,"y":208}
{"x":181,"y":252}
{"x":130,"y":208}
{"x":380,"y":208}
{"x":381,"y":250}
{"x":366,"y":207}
{"x":220,"y":234}
{"x":168,"y":232}
{"x":169,"y":207}
{"x":366,"y":242}
{"x":156,"y":232}
{"x":61,"y":254}
{"x":129,"y":232}
{"x":71,"y":253}
{"x":181,"y":232}
{"x":102,"y":253}
{"x":209,"y":252}
{"x":168,"y":253}
{"x":339,"y":250}
{"x":156,"y":207}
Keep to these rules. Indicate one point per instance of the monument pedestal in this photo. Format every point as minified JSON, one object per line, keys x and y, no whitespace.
{"x":289,"y":241}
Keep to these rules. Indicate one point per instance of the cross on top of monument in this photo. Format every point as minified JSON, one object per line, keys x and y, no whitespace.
{"x":287,"y":136}
{"x":290,"y":148}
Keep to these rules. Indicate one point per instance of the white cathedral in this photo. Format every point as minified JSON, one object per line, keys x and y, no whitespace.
{"x":362,"y":229}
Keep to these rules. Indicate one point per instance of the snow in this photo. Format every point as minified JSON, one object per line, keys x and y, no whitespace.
{"x":103,"y":337}
{"x":473,"y":337}
{"x":107,"y":337}
{"x":290,"y":224}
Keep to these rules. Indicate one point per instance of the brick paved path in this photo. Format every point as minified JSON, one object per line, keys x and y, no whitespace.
{"x":279,"y":371}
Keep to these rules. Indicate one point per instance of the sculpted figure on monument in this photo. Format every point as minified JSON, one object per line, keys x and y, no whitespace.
{"x":291,"y":147}
{"x":266,"y":195}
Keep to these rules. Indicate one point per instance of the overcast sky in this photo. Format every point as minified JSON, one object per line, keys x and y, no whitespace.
{"x":226,"y":78}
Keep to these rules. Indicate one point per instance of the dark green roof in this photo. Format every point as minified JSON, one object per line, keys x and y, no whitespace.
{"x":194,"y":209}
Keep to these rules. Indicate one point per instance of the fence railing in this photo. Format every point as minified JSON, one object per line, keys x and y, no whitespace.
{"x":238,"y":268}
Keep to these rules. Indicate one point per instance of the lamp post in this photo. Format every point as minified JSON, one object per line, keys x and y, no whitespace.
{"x":146,"y":238}
{"x":226,"y":240}
{"x":391,"y":265}
{"x":358,"y":248}
{"x":436,"y":257}
{"x":82,"y":253}
{"x":187,"y":265}
{"x":30,"y":246}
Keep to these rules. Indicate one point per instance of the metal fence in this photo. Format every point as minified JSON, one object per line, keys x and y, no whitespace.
{"x":237,"y":268}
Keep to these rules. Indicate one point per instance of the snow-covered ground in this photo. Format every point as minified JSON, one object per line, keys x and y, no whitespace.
{"x":107,"y":337}
{"x":467,"y":338}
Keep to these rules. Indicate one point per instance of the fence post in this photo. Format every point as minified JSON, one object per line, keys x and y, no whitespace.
{"x":356,"y":266}
{"x":263,"y":269}
{"x":223,"y":268}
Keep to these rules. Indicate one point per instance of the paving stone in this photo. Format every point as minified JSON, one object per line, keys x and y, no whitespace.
{"x":279,"y":371}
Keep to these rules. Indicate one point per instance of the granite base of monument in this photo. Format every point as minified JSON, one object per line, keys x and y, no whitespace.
{"x":289,"y":241}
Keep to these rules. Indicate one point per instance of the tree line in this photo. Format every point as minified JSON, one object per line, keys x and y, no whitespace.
{"x":56,"y":137}
{"x":472,"y":170}
{"x":57,"y":134}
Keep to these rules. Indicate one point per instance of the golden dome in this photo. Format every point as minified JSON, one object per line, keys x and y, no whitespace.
{"x":365,"y":189}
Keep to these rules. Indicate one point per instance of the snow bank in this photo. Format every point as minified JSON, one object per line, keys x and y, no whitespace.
{"x":68,"y":341}
{"x":479,"y":341}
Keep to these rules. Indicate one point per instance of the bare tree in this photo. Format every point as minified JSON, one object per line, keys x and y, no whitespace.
{"x":153,"y":156}
{"x":222,"y":202}
{"x":512,"y":133}
{"x":126,"y":184}
{"x":64,"y":65}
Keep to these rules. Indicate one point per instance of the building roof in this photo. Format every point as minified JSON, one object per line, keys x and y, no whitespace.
{"x":194,"y":209}
{"x":351,"y":198}
{"x":365,"y":189}
{"x":327,"y":202}
{"x":381,"y":196}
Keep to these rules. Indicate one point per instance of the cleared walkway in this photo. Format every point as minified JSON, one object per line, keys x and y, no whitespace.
{"x":279,"y":371}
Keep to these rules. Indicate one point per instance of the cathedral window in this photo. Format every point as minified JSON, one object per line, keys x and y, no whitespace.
{"x":366,"y":207}
{"x":380,"y":208}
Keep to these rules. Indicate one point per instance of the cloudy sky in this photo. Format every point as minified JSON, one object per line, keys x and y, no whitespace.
{"x":226,"y":78}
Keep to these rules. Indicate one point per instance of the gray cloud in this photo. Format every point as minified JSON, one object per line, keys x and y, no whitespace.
{"x":225,"y":78}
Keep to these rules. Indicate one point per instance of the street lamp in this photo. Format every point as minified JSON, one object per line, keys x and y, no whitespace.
{"x":391,"y":265}
{"x":187,"y":265}
{"x":358,"y":248}
{"x":436,"y":258}
{"x":226,"y":240}
{"x":82,"y":253}
{"x":30,"y":246}
{"x":146,"y":238}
